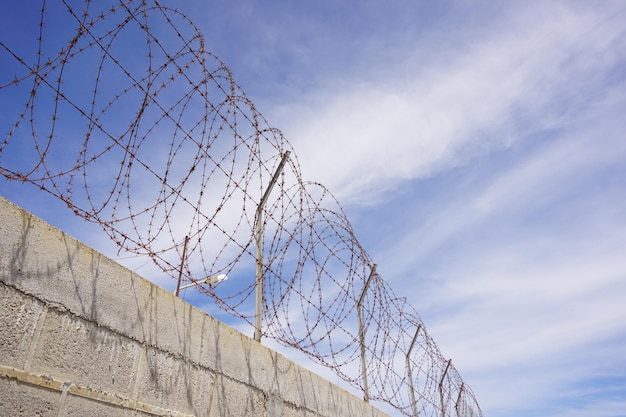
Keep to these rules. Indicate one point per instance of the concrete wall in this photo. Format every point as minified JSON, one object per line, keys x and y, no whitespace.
{"x":80,"y":335}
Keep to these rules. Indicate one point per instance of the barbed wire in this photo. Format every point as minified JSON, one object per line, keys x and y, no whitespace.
{"x":127,"y":119}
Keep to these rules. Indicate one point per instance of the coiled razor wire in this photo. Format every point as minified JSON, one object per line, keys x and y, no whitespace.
{"x":127,"y":119}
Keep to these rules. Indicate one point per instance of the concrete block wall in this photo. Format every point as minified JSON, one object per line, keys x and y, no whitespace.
{"x":81,"y":335}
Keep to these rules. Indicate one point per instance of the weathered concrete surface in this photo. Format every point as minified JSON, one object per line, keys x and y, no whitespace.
{"x":81,"y":335}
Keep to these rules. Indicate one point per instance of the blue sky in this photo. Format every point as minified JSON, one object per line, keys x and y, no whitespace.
{"x":479,"y":151}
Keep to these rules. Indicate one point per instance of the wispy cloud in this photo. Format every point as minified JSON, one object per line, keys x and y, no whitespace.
{"x":521,"y":273}
{"x":520,"y":73}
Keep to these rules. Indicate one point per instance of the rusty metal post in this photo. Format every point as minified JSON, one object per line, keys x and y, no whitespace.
{"x":182,"y":263}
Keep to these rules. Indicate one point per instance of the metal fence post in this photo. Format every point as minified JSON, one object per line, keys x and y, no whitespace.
{"x":410,"y":371}
{"x":458,"y":400}
{"x":362,"y":335}
{"x":443,"y":409}
{"x":258,"y":299}
{"x":182,"y":264}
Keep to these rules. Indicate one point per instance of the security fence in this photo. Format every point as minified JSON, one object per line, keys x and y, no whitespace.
{"x":117,"y":109}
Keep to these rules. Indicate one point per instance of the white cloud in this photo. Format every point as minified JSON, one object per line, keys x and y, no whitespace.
{"x":516,"y":75}
{"x":520,"y":276}
{"x":539,"y":178}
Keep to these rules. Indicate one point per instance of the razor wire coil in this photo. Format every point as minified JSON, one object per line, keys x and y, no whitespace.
{"x":128,"y":120}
